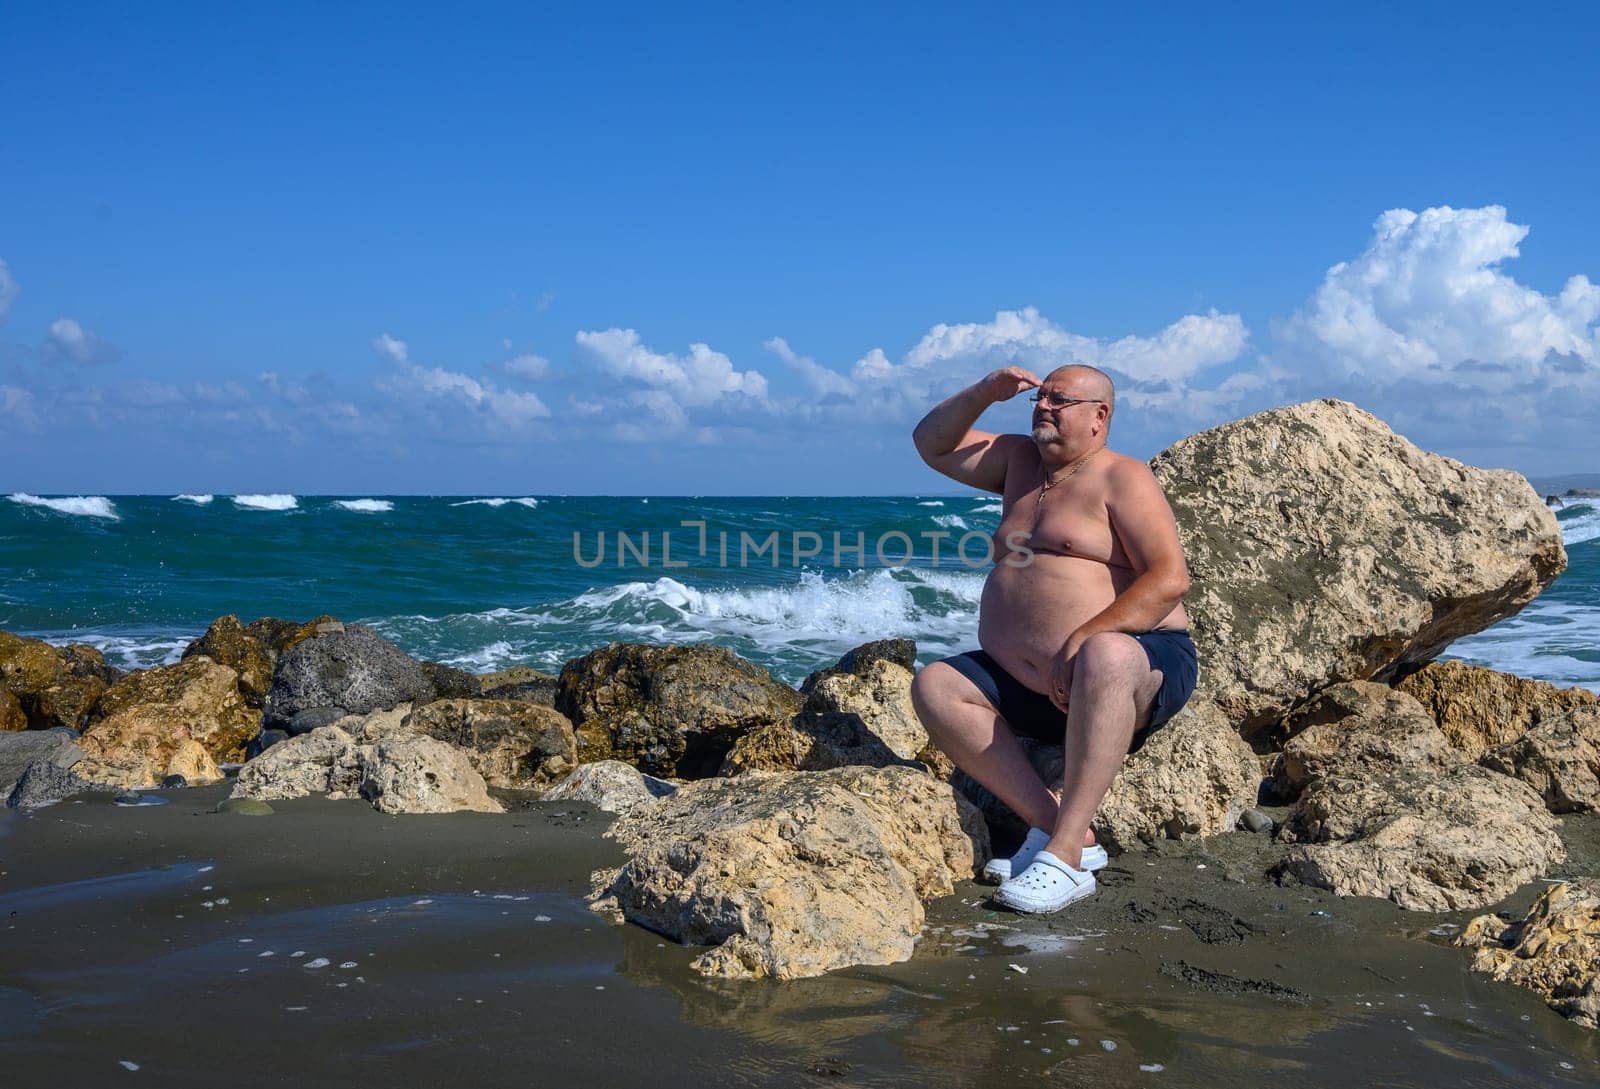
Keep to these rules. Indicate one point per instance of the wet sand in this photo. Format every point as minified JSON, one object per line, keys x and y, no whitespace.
{"x":328,"y":943}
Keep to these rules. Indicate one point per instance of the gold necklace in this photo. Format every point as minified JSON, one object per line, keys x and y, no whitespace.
{"x":1072,"y":471}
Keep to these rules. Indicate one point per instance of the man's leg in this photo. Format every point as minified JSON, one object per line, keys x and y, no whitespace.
{"x":1113,"y":688}
{"x":971,"y":732}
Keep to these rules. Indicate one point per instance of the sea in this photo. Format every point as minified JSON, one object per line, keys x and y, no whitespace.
{"x":489,"y":582}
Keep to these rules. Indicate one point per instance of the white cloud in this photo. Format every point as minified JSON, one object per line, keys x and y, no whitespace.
{"x":9,"y":290}
{"x":1426,"y":300}
{"x":818,"y":378}
{"x":390,"y":348}
{"x":17,"y":405}
{"x":527,"y":366}
{"x":701,"y":378}
{"x":71,"y":341}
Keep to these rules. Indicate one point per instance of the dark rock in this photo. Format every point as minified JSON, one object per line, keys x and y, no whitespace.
{"x":21,"y":751}
{"x":264,"y":741}
{"x":1256,"y":821}
{"x":45,"y":783}
{"x":451,"y":683}
{"x":354,"y":669}
{"x":902,"y":652}
{"x":520,"y":683}
{"x":128,"y":797}
{"x":311,"y":719}
{"x":52,"y":686}
{"x":513,"y":745}
{"x":174,"y":782}
{"x":244,"y":807}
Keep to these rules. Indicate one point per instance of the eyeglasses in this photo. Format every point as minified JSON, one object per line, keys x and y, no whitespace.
{"x":1061,"y":400}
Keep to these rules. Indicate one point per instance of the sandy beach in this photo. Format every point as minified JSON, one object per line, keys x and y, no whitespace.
{"x":328,"y":939}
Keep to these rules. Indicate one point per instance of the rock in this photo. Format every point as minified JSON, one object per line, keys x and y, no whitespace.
{"x":52,"y":686}
{"x":1256,"y":821}
{"x":399,"y":772}
{"x":227,"y":643}
{"x":244,"y":807}
{"x":1479,"y":708}
{"x":174,"y":782}
{"x":420,"y":775}
{"x":282,"y":636}
{"x":670,"y":711}
{"x":514,"y":746}
{"x":354,"y":670}
{"x":20,"y":751}
{"x":12,"y":716}
{"x":900,"y":652}
{"x":1554,"y":949}
{"x":141,"y":725}
{"x":879,"y":693}
{"x":520,"y":683}
{"x":46,"y":783}
{"x":264,"y":741}
{"x":1193,"y":777}
{"x":1323,"y":547}
{"x":313,"y":719}
{"x":1443,"y":842}
{"x":191,"y":763}
{"x":809,"y":742}
{"x":611,"y":786}
{"x":127,"y":797}
{"x":794,"y":875}
{"x":450,"y":683}
{"x":1559,"y":758}
{"x":1356,"y":730}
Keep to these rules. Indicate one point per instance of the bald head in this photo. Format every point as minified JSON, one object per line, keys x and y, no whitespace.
{"x":1089,"y":382}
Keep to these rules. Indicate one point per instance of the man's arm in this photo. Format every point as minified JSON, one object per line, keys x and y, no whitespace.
{"x":950,"y":444}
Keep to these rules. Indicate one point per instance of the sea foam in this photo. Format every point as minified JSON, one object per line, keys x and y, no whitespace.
{"x":88,"y":506}
{"x":1583,"y":524}
{"x":197,"y":500}
{"x":266,"y":502}
{"x":524,"y":501}
{"x":365,"y":506}
{"x":950,"y":521}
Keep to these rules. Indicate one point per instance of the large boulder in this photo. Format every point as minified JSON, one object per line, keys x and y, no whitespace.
{"x":515,"y":746}
{"x":519,"y":683}
{"x":1323,"y":548}
{"x":1559,"y":758}
{"x":349,"y":671}
{"x":793,"y":875}
{"x":1554,"y":949}
{"x":671,"y":711}
{"x":879,"y":694}
{"x":12,"y":716}
{"x":398,"y":771}
{"x":141,"y":725}
{"x":1480,"y":708}
{"x":51,"y":686}
{"x":1463,"y":839}
{"x":809,"y":742}
{"x":900,"y":652}
{"x":252,"y":650}
{"x":610,"y":786}
{"x":1359,"y":729}
{"x":20,"y":751}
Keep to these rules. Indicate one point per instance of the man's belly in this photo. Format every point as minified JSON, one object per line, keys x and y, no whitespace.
{"x":1027,"y":613}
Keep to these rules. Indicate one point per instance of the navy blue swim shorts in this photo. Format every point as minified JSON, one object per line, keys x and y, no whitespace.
{"x":1031,"y":714}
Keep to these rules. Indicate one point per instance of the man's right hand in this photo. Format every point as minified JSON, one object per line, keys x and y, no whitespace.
{"x":1007,"y":382}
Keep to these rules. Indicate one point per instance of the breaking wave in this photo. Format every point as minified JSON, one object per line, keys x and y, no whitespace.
{"x":266,"y":502}
{"x":87,"y":506}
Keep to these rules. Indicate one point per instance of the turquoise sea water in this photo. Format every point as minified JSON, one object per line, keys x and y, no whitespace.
{"x":491,"y":582}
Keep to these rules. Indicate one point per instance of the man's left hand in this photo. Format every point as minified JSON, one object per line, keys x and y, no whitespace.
{"x":1061,"y":670}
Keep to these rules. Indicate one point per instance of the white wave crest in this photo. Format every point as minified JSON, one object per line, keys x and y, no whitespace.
{"x":950,"y":521}
{"x":198,"y":500}
{"x":1581,"y":525}
{"x":931,"y":503}
{"x":88,"y":506}
{"x":524,"y":501}
{"x":365,"y":506}
{"x":989,"y":508}
{"x":277,"y":501}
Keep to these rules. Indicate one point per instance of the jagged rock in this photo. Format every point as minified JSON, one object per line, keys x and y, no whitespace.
{"x":252,"y":651}
{"x":1479,"y":708}
{"x":52,"y":686}
{"x":142,"y":721}
{"x":398,"y":772}
{"x":12,"y":716}
{"x":879,"y":693}
{"x":1462,"y":839}
{"x":793,"y":875}
{"x":190,"y":763}
{"x":1193,"y":777}
{"x":20,"y":751}
{"x":353,"y":670}
{"x":611,"y":786}
{"x":670,"y":711}
{"x":1323,"y":547}
{"x":314,"y":718}
{"x":514,"y":745}
{"x":1554,"y":949}
{"x":45,"y":784}
{"x":520,"y":683}
{"x":900,"y":652}
{"x":809,"y":742}
{"x":1559,"y":758}
{"x":450,"y":683}
{"x":1356,"y":730}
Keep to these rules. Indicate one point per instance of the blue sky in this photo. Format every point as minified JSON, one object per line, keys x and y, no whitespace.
{"x":473,"y":248}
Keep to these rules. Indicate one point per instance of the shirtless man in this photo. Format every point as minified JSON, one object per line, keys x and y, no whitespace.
{"x":1085,"y":641}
